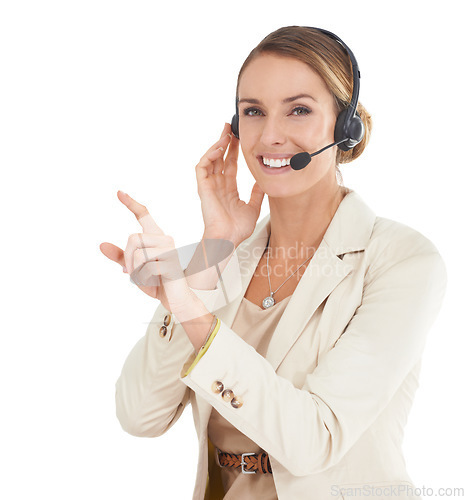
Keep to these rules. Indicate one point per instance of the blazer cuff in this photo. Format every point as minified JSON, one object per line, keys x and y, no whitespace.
{"x":227,"y":288}
{"x":204,"y":348}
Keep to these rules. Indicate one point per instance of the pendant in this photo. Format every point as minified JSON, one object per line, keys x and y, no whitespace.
{"x":268,"y":302}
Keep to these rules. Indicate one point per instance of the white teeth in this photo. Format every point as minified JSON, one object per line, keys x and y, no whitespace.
{"x":271,"y":162}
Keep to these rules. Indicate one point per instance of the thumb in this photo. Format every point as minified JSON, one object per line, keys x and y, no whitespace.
{"x":113,"y":252}
{"x":256,"y":197}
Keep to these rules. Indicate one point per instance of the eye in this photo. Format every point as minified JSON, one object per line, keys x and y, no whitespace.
{"x":301,"y":111}
{"x":252,"y":112}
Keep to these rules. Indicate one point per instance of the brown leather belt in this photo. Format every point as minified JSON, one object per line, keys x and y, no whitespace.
{"x":250,"y":463}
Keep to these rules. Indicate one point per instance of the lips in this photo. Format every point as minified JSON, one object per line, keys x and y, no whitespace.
{"x":274,"y":170}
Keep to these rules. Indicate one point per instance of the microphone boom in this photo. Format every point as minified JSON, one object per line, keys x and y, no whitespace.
{"x":301,"y":160}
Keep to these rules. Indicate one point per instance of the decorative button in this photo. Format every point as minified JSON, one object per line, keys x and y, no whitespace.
{"x":237,"y":402}
{"x":167,"y":320}
{"x":227,"y":395}
{"x":163,"y":331}
{"x":217,"y":387}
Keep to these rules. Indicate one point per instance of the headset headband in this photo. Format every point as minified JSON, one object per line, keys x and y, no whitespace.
{"x":355,"y":71}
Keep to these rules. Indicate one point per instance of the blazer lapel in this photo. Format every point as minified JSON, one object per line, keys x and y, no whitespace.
{"x":349,"y":231}
{"x":324,"y":272}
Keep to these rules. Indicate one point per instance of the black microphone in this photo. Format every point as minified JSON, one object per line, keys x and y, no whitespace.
{"x":301,"y":160}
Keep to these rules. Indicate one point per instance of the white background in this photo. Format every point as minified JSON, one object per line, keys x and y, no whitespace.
{"x":98,"y":96}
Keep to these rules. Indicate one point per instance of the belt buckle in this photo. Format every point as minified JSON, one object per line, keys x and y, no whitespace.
{"x":243,"y":463}
{"x":217,"y":458}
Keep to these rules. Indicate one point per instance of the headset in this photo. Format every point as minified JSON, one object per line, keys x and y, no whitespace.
{"x":349,"y":129}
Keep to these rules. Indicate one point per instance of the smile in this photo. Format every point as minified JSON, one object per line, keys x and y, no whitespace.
{"x":276,"y":163}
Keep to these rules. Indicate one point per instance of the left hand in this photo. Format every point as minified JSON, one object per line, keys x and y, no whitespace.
{"x":225,"y":215}
{"x":152,"y":260}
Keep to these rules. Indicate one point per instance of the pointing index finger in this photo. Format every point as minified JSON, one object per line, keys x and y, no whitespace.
{"x":141,"y":213}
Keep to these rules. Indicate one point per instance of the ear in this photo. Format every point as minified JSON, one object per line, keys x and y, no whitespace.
{"x":353,"y":130}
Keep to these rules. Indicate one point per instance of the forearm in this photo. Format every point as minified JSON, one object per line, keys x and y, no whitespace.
{"x":204,"y":269}
{"x":196,"y":321}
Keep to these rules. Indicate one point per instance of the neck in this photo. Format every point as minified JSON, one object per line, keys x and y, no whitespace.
{"x":298,"y":224}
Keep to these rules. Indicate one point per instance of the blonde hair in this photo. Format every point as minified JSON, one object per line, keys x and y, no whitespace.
{"x":329,"y":59}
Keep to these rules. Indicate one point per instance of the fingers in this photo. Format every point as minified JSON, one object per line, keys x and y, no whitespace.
{"x":216,"y":154}
{"x":162,"y":242}
{"x":113,"y":252}
{"x":226,"y":135}
{"x":256,"y":197}
{"x":218,"y":149}
{"x":230,"y":162}
{"x":212,"y":161}
{"x":226,"y":129}
{"x":148,"y":275}
{"x":147,"y":254}
{"x":141,"y":213}
{"x":233,"y":150}
{"x":162,"y":263}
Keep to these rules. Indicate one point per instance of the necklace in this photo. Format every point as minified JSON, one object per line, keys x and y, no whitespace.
{"x":269,"y":301}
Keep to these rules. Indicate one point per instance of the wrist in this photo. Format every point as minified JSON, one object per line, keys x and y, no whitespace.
{"x":217,"y":236}
{"x":196,"y":321}
{"x":191,"y":309}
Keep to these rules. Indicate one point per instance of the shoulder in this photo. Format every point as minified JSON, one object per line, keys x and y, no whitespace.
{"x":398,"y":238}
{"x":392,"y":243}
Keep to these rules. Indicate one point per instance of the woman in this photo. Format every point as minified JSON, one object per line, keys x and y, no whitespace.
{"x":302,"y":379}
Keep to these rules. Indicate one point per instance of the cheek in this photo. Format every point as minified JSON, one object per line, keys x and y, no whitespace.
{"x":324,"y":127}
{"x":247,"y":151}
{"x":330,"y":123}
{"x":314,"y":133}
{"x":247,"y":141}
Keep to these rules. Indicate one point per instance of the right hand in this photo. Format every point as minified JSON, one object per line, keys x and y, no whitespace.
{"x":151,"y":259}
{"x":225,"y":215}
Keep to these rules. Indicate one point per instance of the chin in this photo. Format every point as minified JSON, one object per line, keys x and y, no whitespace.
{"x":280,"y":190}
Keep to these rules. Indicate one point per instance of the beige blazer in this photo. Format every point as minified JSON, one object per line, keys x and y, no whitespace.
{"x":330,"y":400}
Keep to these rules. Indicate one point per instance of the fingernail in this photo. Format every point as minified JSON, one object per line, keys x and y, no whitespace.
{"x":124,"y":269}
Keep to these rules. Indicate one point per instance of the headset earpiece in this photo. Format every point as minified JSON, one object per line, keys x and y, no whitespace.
{"x":235,"y":125}
{"x":350,"y":127}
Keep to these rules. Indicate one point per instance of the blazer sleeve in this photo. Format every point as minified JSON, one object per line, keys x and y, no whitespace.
{"x":149,"y":395}
{"x":310,"y":429}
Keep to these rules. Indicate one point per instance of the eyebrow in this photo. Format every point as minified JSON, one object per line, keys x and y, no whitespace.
{"x":284,"y":101}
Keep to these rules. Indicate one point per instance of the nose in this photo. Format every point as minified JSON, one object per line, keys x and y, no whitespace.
{"x":273,"y":132}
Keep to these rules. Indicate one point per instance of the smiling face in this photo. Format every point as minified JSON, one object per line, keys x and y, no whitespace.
{"x":285,"y":108}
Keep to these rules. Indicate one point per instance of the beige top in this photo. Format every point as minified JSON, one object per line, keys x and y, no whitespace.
{"x":256,"y":326}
